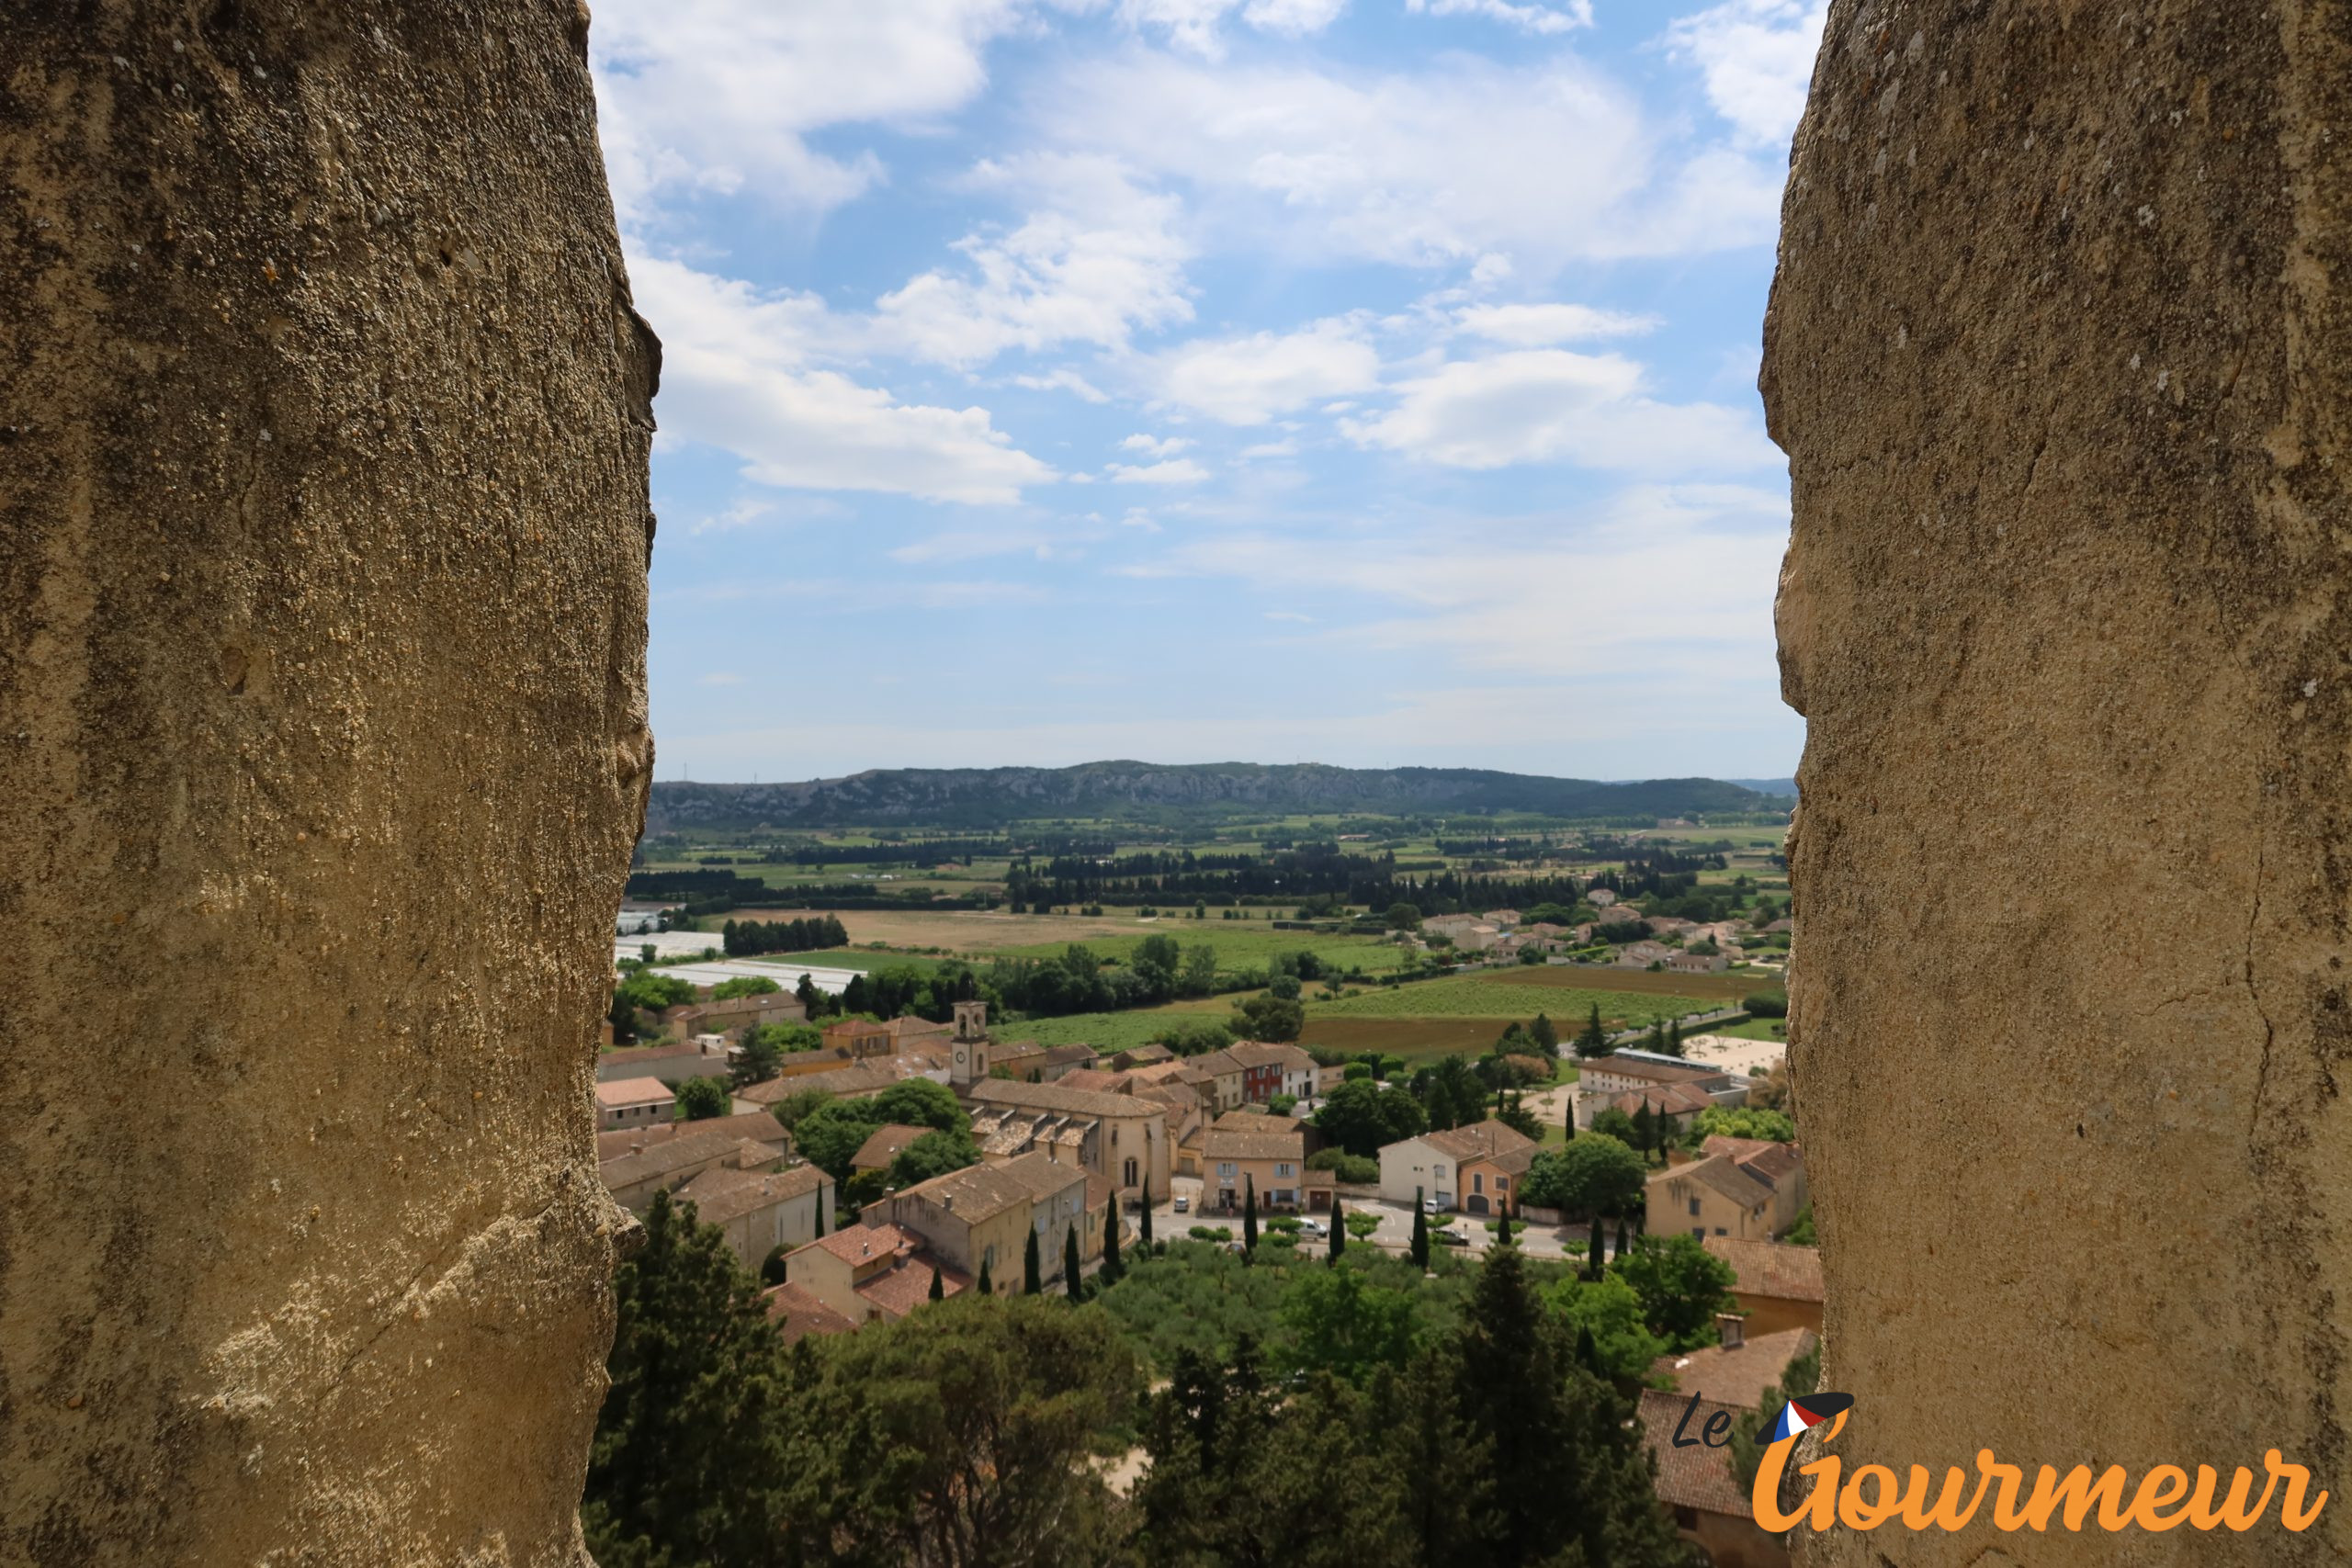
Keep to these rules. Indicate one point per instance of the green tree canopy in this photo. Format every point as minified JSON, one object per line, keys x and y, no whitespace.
{"x":1362,"y":1118}
{"x":1682,"y":1286}
{"x":701,"y":1099}
{"x":743,"y":986}
{"x":1592,"y":1175}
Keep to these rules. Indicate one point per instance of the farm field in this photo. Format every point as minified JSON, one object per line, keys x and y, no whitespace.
{"x":1240,"y":944}
{"x":985,"y":932}
{"x":1477,"y":996}
{"x":1726,"y":986}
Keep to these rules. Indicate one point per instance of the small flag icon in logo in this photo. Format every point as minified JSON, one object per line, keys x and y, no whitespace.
{"x":1813,"y":1409}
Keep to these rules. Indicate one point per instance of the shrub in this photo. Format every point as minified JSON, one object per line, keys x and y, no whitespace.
{"x":1212,"y":1233}
{"x":1767,"y":1004}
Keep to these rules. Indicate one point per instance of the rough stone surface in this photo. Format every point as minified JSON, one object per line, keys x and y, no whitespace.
{"x":2060,"y":352}
{"x":324,"y":423}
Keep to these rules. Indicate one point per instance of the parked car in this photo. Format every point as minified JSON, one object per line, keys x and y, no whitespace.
{"x":1428,"y":1206}
{"x":1313,"y":1227}
{"x":1184,"y":1204}
{"x":1449,"y":1239}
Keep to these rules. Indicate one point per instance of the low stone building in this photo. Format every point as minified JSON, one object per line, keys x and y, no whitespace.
{"x":1430,"y":1167}
{"x":1250,"y":1150}
{"x":1118,"y":1137}
{"x":634,"y":1175}
{"x":1777,"y":1286}
{"x":887,"y":1144}
{"x":759,"y":1210}
{"x":672,"y":1063}
{"x":633,"y":1102}
{"x":870,"y":1271}
{"x":1696,"y":1485}
{"x":1711,"y":1196}
{"x":979,"y":1219}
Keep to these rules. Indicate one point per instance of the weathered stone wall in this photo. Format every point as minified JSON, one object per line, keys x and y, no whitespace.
{"x":2060,"y":350}
{"x":323,"y":422}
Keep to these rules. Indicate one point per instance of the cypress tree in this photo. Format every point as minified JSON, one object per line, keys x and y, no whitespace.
{"x":1339,"y":1228}
{"x":1503,"y":1231}
{"x":987,"y":1286}
{"x":1111,"y":1267}
{"x":1674,"y":1038}
{"x":1071,"y":1278}
{"x":1248,"y":1217}
{"x":1145,"y":1233}
{"x":1589,"y":1351}
{"x":821,"y":1209}
{"x":1621,"y":1235}
{"x":1420,"y":1250}
{"x":1595,"y":1249}
{"x":1645,"y":1129}
{"x":1032,"y":1278}
{"x":938,"y":1286}
{"x":1568,"y":1119}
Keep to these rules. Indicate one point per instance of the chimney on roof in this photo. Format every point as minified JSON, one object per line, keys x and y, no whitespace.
{"x":1731,"y":1328}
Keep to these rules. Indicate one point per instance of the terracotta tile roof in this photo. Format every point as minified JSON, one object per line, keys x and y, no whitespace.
{"x":906,"y":1284}
{"x":884,"y":1146}
{"x":1674,"y":1098}
{"x":1721,"y":1176}
{"x":1480,"y":1139}
{"x":620,"y":1093}
{"x":1215,"y":1063}
{"x":1741,"y":1375}
{"x":1698,"y":1477}
{"x":1769,"y":1163}
{"x":1510,"y":1162}
{"x":796,"y":1314}
{"x":853,"y":1082}
{"x":673,"y":1155}
{"x":1054,"y":1097}
{"x":1254,"y":1119}
{"x":863,"y":1244}
{"x":1059,"y":1056}
{"x":1145,"y":1055}
{"x":757,"y":1125}
{"x":630,"y":1055}
{"x":1093,"y":1080}
{"x":1656,"y":1072}
{"x":1258,"y":1054}
{"x":1772,"y":1269}
{"x":979,"y":1191}
{"x":727,"y":1192}
{"x":1240,"y":1143}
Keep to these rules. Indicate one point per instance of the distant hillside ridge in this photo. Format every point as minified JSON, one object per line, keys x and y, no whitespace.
{"x":987,"y":798}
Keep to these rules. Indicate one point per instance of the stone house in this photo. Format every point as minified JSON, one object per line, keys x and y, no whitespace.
{"x":1695,"y":1485}
{"x":1709,"y":1197}
{"x":1268,"y":1070}
{"x":1118,"y":1137}
{"x":1778,"y":1287}
{"x":1430,"y":1167}
{"x":1248,"y":1150}
{"x":870,"y":1271}
{"x":1488,"y":1182}
{"x":633,"y":1102}
{"x":759,"y":1210}
{"x":1780,"y":1166}
{"x":980,"y":1217}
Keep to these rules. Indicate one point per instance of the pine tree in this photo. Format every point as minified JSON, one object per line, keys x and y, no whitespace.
{"x":1032,"y":1278}
{"x":1339,"y":1228}
{"x":1592,"y":1040}
{"x":1420,"y":1250}
{"x":1111,"y":1267}
{"x":1249,"y":1216}
{"x":1544,"y":1036}
{"x":938,"y":1286}
{"x":1072,"y":1280}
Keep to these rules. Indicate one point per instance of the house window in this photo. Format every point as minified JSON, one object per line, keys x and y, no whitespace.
{"x":1720,"y":1230}
{"x":1479,"y":1182}
{"x":1502,"y":1183}
{"x":1437,"y":1171}
{"x":1224,"y":1170}
{"x":1694,"y":1209}
{"x":1283,"y":1169}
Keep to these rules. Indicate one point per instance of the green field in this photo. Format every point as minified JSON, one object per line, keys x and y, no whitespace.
{"x":1240,"y":945}
{"x":1480,"y":996}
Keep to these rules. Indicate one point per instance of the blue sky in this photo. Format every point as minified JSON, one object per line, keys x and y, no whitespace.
{"x":1358,"y":381}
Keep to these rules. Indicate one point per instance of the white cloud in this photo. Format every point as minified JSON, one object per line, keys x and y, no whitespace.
{"x":1176,"y":472}
{"x":1495,"y":595}
{"x":1271,"y":449}
{"x":1551,"y":405}
{"x":720,"y":95}
{"x":734,"y":375}
{"x":1531,"y":326}
{"x":1195,"y":26}
{"x":1249,"y":381}
{"x":1064,"y":380}
{"x":1156,"y":445}
{"x":1528,"y":18}
{"x":1757,"y":59}
{"x":1098,"y":258}
{"x":1455,"y":162}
